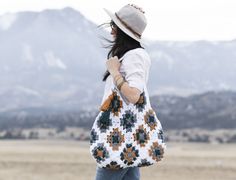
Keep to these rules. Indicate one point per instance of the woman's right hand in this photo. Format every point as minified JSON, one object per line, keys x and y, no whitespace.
{"x":113,"y":65}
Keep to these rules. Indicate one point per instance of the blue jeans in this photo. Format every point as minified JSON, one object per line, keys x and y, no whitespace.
{"x":131,"y":173}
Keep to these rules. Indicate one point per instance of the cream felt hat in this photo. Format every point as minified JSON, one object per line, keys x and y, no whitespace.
{"x":131,"y":20}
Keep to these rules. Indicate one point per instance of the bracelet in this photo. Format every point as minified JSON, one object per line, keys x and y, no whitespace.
{"x":120,"y":85}
{"x":118,"y":75}
{"x":119,"y":80}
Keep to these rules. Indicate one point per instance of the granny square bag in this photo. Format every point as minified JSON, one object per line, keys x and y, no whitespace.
{"x":125,"y":134}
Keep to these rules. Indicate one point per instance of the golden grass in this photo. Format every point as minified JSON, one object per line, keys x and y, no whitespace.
{"x":70,"y":160}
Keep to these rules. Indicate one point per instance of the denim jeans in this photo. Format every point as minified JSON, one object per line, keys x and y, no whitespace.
{"x":131,"y":173}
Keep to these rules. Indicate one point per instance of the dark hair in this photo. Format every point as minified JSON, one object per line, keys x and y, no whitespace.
{"x":120,"y":46}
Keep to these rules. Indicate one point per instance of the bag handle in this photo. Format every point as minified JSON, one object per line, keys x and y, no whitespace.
{"x":121,"y":59}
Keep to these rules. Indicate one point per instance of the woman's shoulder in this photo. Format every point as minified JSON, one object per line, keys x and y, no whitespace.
{"x":136,"y":51}
{"x":138,"y":54}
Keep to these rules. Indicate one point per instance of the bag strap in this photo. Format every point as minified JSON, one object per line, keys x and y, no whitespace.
{"x":121,"y":59}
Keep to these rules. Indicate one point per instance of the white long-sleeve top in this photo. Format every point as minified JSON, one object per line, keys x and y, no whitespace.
{"x":134,"y":68}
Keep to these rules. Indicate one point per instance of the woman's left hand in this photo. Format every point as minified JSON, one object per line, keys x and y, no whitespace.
{"x":113,"y":65}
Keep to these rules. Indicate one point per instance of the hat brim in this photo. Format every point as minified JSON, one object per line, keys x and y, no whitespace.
{"x":121,"y":26}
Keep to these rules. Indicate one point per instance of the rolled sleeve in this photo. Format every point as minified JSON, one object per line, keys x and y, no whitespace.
{"x":134,"y":68}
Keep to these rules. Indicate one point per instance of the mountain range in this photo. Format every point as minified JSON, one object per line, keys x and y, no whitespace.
{"x":56,"y":59}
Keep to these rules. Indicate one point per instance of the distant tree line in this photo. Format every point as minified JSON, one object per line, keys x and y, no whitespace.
{"x":59,"y":120}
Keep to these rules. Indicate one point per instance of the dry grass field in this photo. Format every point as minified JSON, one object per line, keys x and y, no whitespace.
{"x":70,"y":160}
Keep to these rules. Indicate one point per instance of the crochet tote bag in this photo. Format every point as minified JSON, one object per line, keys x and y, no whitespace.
{"x":125,"y":134}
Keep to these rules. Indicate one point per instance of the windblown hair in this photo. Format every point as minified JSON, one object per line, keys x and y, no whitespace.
{"x":120,"y":46}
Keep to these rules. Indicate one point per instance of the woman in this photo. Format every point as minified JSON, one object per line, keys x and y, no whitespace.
{"x":128,"y":68}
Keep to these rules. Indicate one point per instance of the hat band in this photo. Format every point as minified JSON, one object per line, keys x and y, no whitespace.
{"x":128,"y":27}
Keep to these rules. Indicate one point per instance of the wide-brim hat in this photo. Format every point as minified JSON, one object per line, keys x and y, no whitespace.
{"x":131,"y":20}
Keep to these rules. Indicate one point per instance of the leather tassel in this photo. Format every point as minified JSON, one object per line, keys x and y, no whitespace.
{"x":106,"y":103}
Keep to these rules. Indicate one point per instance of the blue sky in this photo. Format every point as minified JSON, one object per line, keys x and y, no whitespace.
{"x":167,"y":19}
